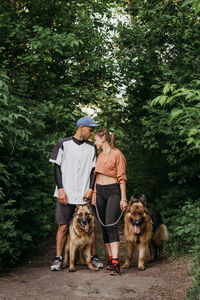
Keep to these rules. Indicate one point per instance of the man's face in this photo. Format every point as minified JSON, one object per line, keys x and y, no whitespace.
{"x":86,"y":132}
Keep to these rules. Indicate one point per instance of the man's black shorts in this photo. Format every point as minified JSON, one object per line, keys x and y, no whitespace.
{"x":64,"y":213}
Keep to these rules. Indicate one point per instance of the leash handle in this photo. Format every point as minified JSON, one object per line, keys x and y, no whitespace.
{"x":108,"y":225}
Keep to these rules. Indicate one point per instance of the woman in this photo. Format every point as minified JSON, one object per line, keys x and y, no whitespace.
{"x":110,"y":193}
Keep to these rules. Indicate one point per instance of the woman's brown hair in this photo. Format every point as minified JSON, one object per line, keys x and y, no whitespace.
{"x":109,"y":137}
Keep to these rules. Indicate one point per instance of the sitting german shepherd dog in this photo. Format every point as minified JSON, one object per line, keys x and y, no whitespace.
{"x":145,"y":229}
{"x":81,"y":234}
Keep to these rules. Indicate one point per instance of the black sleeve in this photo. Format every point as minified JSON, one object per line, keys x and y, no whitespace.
{"x":92,"y":179}
{"x":58,"y":176}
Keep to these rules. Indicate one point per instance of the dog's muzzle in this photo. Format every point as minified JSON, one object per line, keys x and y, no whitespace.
{"x":136,"y":225}
{"x":84,"y":224}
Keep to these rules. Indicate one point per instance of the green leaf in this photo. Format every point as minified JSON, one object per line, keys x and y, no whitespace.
{"x":186,"y":2}
{"x":193,"y":131}
{"x":175,"y":113}
{"x":166,"y":88}
{"x":159,"y":100}
{"x":190,"y":140}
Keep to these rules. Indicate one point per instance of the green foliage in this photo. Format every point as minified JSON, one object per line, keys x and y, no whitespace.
{"x":195,"y":4}
{"x":54,"y":55}
{"x":186,"y":112}
{"x":159,"y":46}
{"x":184,"y":228}
{"x":184,"y":233}
{"x":23,"y":182}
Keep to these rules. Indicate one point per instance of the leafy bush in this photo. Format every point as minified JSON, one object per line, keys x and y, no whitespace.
{"x":184,"y":237}
{"x":26,"y":209}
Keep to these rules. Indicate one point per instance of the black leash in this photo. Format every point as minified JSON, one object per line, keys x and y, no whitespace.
{"x":108,"y":225}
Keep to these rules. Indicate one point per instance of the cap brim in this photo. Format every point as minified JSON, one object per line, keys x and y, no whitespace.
{"x":94,"y":125}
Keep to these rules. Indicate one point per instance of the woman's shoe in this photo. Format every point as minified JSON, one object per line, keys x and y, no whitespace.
{"x":115,"y":269}
{"x":109,"y":264}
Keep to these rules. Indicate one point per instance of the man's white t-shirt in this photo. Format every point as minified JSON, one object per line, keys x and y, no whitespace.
{"x":76,"y":159}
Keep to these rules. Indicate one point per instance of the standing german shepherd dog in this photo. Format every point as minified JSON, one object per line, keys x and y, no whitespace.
{"x":145,"y":229}
{"x":81,"y":234}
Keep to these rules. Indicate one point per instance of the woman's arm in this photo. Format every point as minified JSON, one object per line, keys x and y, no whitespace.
{"x":123,"y":202}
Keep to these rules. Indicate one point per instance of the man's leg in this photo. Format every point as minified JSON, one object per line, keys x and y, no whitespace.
{"x":60,"y":243}
{"x":61,"y":238}
{"x":94,"y":258}
{"x":64,"y":214}
{"x":93,"y":250}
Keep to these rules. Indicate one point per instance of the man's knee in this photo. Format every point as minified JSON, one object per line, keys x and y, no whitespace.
{"x":62,"y":228}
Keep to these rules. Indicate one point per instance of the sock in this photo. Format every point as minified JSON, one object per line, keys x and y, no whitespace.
{"x":60,"y":257}
{"x":94,"y":256}
{"x":115,"y":261}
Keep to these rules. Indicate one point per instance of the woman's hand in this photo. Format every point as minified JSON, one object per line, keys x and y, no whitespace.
{"x":123,"y":204}
{"x":62,"y":197}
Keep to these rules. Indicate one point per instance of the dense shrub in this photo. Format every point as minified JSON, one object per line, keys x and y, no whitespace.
{"x":25,"y":179}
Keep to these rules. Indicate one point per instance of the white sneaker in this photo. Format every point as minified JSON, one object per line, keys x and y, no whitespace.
{"x":96,"y":262}
{"x":57,"y":264}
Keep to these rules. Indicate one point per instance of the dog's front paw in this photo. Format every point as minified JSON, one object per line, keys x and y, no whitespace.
{"x":92,"y":268}
{"x":126,"y":266}
{"x":141,"y":268}
{"x":72,"y":269}
{"x":64,"y":265}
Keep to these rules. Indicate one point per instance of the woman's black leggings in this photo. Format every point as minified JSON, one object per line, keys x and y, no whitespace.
{"x":108,"y":204}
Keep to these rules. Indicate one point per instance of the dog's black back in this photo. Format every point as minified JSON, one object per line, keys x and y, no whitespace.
{"x":156,"y":219}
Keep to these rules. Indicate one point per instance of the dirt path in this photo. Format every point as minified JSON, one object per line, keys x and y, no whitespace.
{"x":163,"y":280}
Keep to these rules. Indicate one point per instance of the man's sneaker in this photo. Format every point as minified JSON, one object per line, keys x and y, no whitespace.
{"x":57,"y":264}
{"x":96,"y":262}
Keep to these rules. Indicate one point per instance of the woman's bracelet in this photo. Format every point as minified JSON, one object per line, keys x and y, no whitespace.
{"x":124,"y":200}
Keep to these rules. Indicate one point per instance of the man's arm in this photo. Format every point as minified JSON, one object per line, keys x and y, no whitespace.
{"x":88,"y":195}
{"x":92,"y":179}
{"x":62,"y":197}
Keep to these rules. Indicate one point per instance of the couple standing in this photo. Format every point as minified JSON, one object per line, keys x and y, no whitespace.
{"x":81,"y":176}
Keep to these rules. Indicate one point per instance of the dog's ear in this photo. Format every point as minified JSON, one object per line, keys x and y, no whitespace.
{"x":143,"y":200}
{"x":88,"y":206}
{"x":77,"y":207}
{"x":132,"y":200}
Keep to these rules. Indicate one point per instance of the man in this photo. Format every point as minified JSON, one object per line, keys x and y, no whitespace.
{"x":74,"y":160}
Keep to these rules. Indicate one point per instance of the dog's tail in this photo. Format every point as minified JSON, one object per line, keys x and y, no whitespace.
{"x":161,"y":233}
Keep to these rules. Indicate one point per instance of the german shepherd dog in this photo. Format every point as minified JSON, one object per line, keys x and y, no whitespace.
{"x":81,"y":234}
{"x":145,"y":229}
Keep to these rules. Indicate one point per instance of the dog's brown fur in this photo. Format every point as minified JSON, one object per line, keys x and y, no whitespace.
{"x":145,"y":229}
{"x":81,"y":234}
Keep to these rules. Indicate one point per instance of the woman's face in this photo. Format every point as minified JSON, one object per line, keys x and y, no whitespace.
{"x":98,"y":141}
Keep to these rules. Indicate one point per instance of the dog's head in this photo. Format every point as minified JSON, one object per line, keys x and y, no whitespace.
{"x":84,"y":218}
{"x":142,"y":199}
{"x":137,"y":212}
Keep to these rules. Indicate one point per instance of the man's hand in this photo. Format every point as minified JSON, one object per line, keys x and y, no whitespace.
{"x":88,"y":195}
{"x":93,"y":199}
{"x":62,"y":197}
